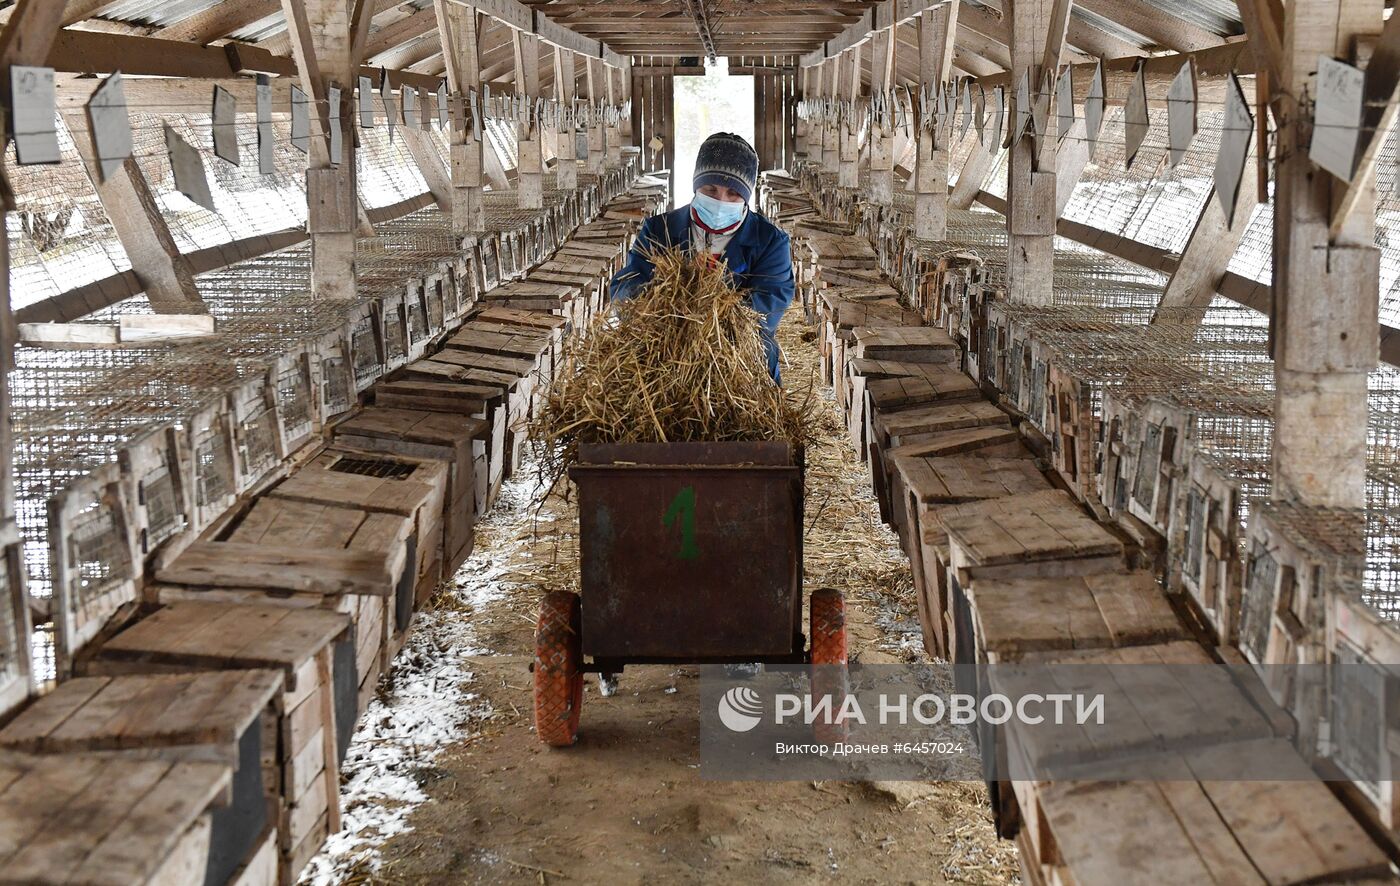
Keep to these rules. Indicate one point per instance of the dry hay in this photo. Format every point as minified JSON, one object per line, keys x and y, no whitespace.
{"x":683,"y":361}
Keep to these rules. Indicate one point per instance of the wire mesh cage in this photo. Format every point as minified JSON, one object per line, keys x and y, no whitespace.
{"x":91,"y":540}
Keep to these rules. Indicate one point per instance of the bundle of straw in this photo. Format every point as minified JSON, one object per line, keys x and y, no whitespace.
{"x":682,"y":361}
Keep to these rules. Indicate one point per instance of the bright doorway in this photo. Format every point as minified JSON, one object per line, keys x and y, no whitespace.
{"x":716,"y":102}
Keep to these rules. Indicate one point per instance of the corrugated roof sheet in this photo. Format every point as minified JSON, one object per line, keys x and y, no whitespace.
{"x":156,"y":13}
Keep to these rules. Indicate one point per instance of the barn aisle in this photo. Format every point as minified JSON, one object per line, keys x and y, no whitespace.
{"x":626,"y":804}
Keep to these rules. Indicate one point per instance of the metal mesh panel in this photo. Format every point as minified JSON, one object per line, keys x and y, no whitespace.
{"x":98,"y":556}
{"x":248,"y":204}
{"x":213,"y":472}
{"x":375,"y":467}
{"x":60,"y":237}
{"x":386,"y":171}
{"x":257,"y":446}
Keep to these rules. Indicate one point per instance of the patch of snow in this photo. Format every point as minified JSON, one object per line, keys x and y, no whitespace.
{"x":425,"y":707}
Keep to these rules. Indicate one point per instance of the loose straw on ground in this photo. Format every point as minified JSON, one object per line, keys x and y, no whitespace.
{"x":683,"y":361}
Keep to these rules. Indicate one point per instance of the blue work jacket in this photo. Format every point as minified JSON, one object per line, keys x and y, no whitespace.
{"x":759,"y":256}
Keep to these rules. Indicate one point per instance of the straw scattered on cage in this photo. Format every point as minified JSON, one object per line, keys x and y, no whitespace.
{"x":683,"y":361}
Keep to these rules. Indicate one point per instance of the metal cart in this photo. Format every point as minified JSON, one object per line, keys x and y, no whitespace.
{"x":689,"y":553}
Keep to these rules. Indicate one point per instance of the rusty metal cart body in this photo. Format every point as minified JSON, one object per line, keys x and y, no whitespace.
{"x":689,"y":553}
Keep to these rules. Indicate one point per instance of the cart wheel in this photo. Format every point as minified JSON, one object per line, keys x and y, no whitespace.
{"x":558,"y":669}
{"x":829,"y":677}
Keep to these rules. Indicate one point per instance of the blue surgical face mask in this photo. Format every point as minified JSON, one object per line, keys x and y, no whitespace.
{"x":717,"y":214}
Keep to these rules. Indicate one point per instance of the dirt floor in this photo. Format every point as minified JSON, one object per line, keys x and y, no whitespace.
{"x":625,"y":805}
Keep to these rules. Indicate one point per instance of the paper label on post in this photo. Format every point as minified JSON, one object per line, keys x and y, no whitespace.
{"x":1023,"y":107}
{"x":998,"y":119}
{"x":391,"y":105}
{"x":1336,"y":135}
{"x":1181,"y":113}
{"x":366,"y":95}
{"x":301,"y":120}
{"x":1064,"y":103}
{"x":410,"y":96}
{"x":225,"y":126}
{"x":1236,"y":136}
{"x":966,"y":110}
{"x":188,"y":169}
{"x":1094,"y":108}
{"x":267,"y":137}
{"x":1136,"y":123}
{"x":109,"y":125}
{"x":32,"y":106}
{"x":979,"y":114}
{"x":425,"y":110}
{"x":442,"y":104}
{"x":337,"y":138}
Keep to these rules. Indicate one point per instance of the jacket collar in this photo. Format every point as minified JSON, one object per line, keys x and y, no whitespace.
{"x":678,"y":229}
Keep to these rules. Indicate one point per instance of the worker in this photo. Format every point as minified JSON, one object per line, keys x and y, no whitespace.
{"x":720,"y":224}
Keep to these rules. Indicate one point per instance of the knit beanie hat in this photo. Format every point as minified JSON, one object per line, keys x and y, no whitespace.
{"x":726,"y":159}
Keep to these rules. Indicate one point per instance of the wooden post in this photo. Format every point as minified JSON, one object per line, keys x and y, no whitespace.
{"x":881,"y":141}
{"x":805,"y":93}
{"x":850,"y":133}
{"x":937,"y":28}
{"x":597,"y":141}
{"x":527,"y":128}
{"x":461,"y":52}
{"x":1325,"y":330}
{"x":624,"y":79}
{"x":831,"y":132}
{"x":566,"y":169}
{"x":322,"y":40}
{"x":25,"y":40}
{"x":612,"y":132}
{"x":126,"y":196}
{"x":1030,"y":181}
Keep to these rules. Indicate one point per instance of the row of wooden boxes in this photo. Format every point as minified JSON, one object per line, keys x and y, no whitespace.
{"x":200,"y":737}
{"x":1010,"y":570}
{"x":1185,"y":473}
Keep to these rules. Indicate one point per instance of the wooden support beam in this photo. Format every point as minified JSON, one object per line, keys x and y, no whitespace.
{"x":597,"y":140}
{"x":849,"y":174}
{"x":1326,"y":288}
{"x":461,"y":45}
{"x":26,"y":40}
{"x":437,"y":176}
{"x":1208,"y":253}
{"x":831,"y":131}
{"x":1071,"y":158}
{"x":565,"y":91}
{"x":880,"y":144}
{"x":528,"y":131}
{"x":1263,"y":22}
{"x":322,"y":39}
{"x":1030,"y":180}
{"x":136,"y":218}
{"x":612,"y":130}
{"x":937,"y":28}
{"x":972,"y":176}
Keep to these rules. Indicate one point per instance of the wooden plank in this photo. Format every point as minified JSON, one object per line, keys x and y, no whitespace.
{"x":1018,"y":616}
{"x":244,"y":565}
